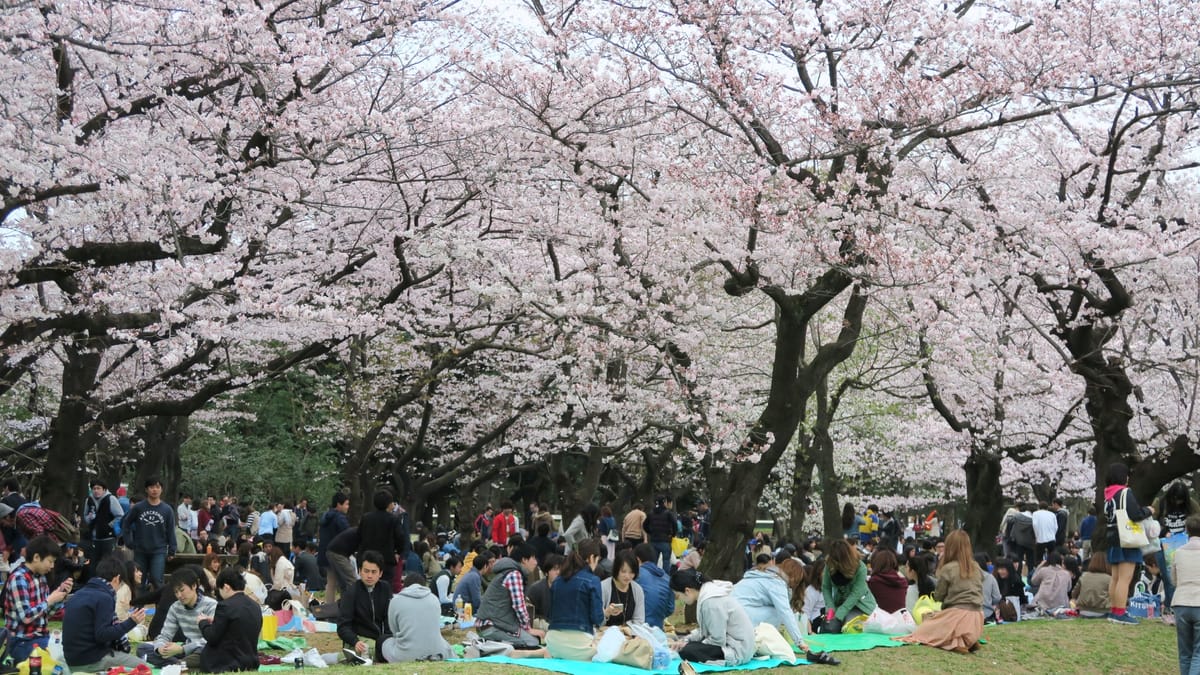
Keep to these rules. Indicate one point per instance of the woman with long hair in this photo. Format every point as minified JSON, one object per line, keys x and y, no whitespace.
{"x":283,"y":572}
{"x":813,"y":603}
{"x":1173,"y":510}
{"x":958,"y":626}
{"x":576,"y":605}
{"x":624,"y":599}
{"x":582,"y":526}
{"x":844,"y":586}
{"x":850,"y":522}
{"x":886,"y":583}
{"x":131,"y":578}
{"x":212,"y":567}
{"x":1124,"y":561}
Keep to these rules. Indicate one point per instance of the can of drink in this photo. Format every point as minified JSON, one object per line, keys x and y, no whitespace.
{"x":298,"y":663}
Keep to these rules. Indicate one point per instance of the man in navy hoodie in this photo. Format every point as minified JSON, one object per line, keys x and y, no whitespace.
{"x":656,"y":585}
{"x":90,"y":627}
{"x":149,"y":529}
{"x":333,"y":523}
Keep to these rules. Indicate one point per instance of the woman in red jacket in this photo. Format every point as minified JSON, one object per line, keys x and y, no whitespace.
{"x":886,"y":583}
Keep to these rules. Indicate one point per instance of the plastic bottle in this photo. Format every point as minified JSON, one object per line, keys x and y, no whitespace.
{"x":468,"y":611}
{"x":55,"y":646}
{"x":458,"y":607}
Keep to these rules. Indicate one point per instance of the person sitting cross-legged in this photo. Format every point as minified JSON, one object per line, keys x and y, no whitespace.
{"x":503,"y":614}
{"x":93,"y":638}
{"x":363,"y":610}
{"x":231,"y":634}
{"x":414,"y":617}
{"x":182,"y":618}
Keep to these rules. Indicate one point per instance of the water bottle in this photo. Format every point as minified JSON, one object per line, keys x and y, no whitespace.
{"x":458,"y":607}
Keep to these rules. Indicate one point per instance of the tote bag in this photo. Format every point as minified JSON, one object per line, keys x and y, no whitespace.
{"x":1130,"y":532}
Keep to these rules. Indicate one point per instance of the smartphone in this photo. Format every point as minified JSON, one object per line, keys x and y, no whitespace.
{"x":619,"y":605}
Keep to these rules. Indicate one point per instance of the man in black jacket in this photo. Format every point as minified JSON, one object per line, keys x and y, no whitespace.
{"x":384,"y":532}
{"x":231,"y":635}
{"x":363,"y":611}
{"x":90,"y":626}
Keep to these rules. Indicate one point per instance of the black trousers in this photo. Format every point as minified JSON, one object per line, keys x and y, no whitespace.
{"x":700,"y":652}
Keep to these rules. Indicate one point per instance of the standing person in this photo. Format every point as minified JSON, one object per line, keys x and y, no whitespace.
{"x":363,"y":612}
{"x":844,"y":587}
{"x":267,"y":523}
{"x":28,"y":600}
{"x":504,"y":525}
{"x":185,"y":518}
{"x":90,"y":627}
{"x":101,"y":511}
{"x":204,"y":518}
{"x":1062,"y":519}
{"x":231,"y":634}
{"x":149,"y":529}
{"x":1087,"y":527}
{"x":383,"y":531}
{"x":631,"y":526}
{"x":12,"y":494}
{"x":851,"y":522}
{"x":724,"y":632}
{"x":607,"y":527}
{"x":1185,"y":570}
{"x":582,"y":526}
{"x":1123,"y":560}
{"x":1045,"y":530}
{"x":503,"y":613}
{"x":483,"y":524}
{"x":1173,"y":511}
{"x":958,"y":626}
{"x":656,"y":586}
{"x":333,"y":522}
{"x":660,"y":526}
{"x":284,"y":535}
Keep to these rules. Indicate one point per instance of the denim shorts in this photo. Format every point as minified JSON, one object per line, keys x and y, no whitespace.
{"x":1116,"y":554}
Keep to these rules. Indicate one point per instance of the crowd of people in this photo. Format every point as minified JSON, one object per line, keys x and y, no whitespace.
{"x":548,"y":589}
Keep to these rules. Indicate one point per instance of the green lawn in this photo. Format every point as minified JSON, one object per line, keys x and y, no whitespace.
{"x":1042,"y":646}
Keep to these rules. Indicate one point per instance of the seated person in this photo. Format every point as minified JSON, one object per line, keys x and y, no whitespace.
{"x":724,"y":632}
{"x":844,"y":585}
{"x":766,"y":597}
{"x":503,"y":614}
{"x":91,"y":632}
{"x":470,"y":586}
{"x":28,"y":601}
{"x":182,"y":617}
{"x":624,"y":600}
{"x":363,"y":610}
{"x":443,"y":584}
{"x":231,"y":634}
{"x":539,"y":592}
{"x":307,"y":570}
{"x":414,"y":618}
{"x":1091,"y":593}
{"x":1053,"y":583}
{"x":656,"y":585}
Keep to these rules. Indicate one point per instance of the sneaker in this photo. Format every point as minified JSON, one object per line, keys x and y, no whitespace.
{"x":1123,"y":619}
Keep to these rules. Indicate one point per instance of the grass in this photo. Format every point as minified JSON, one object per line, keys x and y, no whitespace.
{"x":1041,"y":646}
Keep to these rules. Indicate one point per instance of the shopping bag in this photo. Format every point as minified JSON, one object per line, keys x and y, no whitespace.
{"x":899,"y":622}
{"x":768,"y":641}
{"x":1129,"y":532}
{"x":679,"y":545}
{"x":925,"y":605}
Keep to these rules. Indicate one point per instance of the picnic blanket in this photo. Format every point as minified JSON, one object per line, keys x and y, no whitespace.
{"x":590,"y":668}
{"x":850,"y":642}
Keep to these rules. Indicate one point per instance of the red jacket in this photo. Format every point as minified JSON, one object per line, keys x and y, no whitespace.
{"x":503,"y":527}
{"x":889,"y":589}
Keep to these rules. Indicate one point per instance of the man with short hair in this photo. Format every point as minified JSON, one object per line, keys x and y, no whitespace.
{"x":149,"y":529}
{"x":364,"y":608}
{"x":415,"y":625}
{"x":1062,"y":516}
{"x":231,"y":634}
{"x":333,"y":522}
{"x":268,"y":523}
{"x":90,"y":628}
{"x":1045,"y":529}
{"x":470,"y":587}
{"x":11,"y":494}
{"x":307,"y":571}
{"x":183,"y":616}
{"x":656,"y":585}
{"x":503,"y":615}
{"x":443,"y":584}
{"x":28,"y":601}
{"x":185,"y":519}
{"x":504,"y":525}
{"x":101,"y":510}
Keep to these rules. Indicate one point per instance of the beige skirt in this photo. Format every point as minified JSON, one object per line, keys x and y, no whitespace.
{"x":953,"y":629}
{"x":573,"y":645}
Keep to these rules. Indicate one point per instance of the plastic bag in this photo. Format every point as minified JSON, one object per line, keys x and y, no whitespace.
{"x":925,"y":605}
{"x":609,"y":645}
{"x":768,"y":641}
{"x":899,"y":622}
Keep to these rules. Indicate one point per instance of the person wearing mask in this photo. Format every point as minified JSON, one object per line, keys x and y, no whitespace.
{"x":149,"y":529}
{"x":364,"y":607}
{"x":90,"y":627}
{"x":231,"y":633}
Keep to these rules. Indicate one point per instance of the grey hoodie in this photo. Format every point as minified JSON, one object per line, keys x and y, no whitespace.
{"x":414,"y":620}
{"x":723,"y":623}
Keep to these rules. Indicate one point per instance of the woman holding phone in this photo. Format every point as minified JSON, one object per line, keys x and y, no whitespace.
{"x":624,"y":599}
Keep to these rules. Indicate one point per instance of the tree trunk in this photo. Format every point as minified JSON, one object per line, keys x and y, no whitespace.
{"x":64,"y":477}
{"x":162,"y":437}
{"x":802,"y":476}
{"x":985,"y":499}
{"x":734,"y":504}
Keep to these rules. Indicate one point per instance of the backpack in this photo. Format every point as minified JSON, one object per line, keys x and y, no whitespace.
{"x":34,"y":520}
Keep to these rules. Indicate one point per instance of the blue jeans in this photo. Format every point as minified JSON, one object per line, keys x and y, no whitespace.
{"x":19,"y":648}
{"x":1187,"y":638}
{"x":1168,"y":583}
{"x":153,"y":564}
{"x":664,"y":549}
